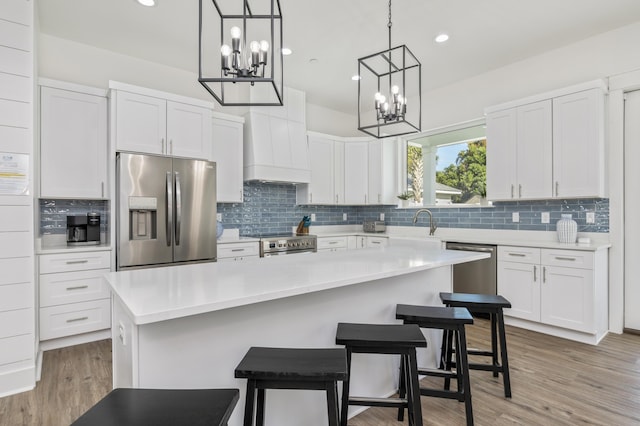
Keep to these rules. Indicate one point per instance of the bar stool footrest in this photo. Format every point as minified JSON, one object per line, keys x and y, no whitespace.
{"x":436,"y":372}
{"x":377,"y":402}
{"x":440,"y":393}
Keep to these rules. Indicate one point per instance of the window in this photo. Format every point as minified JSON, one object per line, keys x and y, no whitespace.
{"x":447,"y":167}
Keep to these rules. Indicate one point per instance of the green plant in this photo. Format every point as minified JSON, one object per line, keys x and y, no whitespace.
{"x":408,"y":195}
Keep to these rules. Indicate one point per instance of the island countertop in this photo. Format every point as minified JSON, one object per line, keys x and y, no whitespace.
{"x":164,"y":293}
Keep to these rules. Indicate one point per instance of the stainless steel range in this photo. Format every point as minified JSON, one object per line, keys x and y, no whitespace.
{"x":278,"y":244}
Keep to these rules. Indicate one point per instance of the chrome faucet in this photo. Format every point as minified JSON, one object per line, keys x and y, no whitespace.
{"x":432,"y":223}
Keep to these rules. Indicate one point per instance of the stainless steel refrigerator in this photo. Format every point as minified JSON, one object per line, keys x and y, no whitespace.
{"x":166,"y":210}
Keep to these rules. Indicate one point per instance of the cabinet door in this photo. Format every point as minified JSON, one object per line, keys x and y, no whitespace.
{"x":375,"y":172}
{"x":338,"y":171}
{"x":188,"y":130}
{"x":534,"y":151}
{"x":73,"y":144}
{"x":227,"y":153}
{"x":568,"y":298}
{"x":578,"y":144}
{"x":501,"y":154}
{"x":141,"y":123}
{"x":321,"y":162}
{"x":356,"y":160}
{"x":519,"y":283}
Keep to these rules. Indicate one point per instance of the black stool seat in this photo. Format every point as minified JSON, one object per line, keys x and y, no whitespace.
{"x":492,"y":304}
{"x":398,"y":339}
{"x":452,"y":321}
{"x":291,"y":368}
{"x":162,"y":407}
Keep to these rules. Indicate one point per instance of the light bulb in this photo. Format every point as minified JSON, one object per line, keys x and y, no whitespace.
{"x":235,"y":32}
{"x":264,"y":45}
{"x":225,"y":50}
{"x":378,"y":96}
{"x":400,"y":99}
{"x":382,"y":99}
{"x":254,"y":46}
{"x":395,"y":90}
{"x":386,"y":106}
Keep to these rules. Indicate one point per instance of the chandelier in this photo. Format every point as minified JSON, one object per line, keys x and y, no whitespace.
{"x":386,"y":80}
{"x":240,"y":51}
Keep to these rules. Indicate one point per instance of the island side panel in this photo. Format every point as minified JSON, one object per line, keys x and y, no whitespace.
{"x":124,"y":347}
{"x":202,"y":351}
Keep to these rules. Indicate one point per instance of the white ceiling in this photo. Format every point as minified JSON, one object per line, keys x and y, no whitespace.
{"x":485,"y":34}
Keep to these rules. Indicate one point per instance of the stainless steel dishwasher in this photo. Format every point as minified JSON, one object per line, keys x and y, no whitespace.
{"x":478,"y":276}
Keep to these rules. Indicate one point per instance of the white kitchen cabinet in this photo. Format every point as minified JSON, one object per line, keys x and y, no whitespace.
{"x":377,"y":241}
{"x":325,"y":173}
{"x":332,"y":243}
{"x":563,"y":289}
{"x":519,"y":152}
{"x":364,"y":241}
{"x":73,"y":143}
{"x":227,"y":153}
{"x":356,"y":172}
{"x":548,"y":146}
{"x":74,"y":298}
{"x":236,"y":251}
{"x":578,"y":145}
{"x":157,"y":125}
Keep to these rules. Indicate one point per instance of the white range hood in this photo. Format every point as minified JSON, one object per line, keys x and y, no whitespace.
{"x":275,"y":142}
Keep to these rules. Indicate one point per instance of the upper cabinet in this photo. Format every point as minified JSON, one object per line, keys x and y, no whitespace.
{"x":327,"y":175}
{"x":154,"y":122}
{"x":227,"y":153}
{"x":275,"y":143}
{"x":73,"y":142}
{"x":549,"y":148}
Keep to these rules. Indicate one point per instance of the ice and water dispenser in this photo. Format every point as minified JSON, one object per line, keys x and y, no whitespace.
{"x":143,"y":218}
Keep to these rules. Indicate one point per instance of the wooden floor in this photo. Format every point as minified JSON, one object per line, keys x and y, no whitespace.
{"x":554,"y":382}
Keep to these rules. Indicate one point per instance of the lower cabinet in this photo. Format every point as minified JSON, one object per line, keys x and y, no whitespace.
{"x":235,"y":251}
{"x":363,"y":241}
{"x":555,"y":287}
{"x":332,"y":243}
{"x":74,"y":298}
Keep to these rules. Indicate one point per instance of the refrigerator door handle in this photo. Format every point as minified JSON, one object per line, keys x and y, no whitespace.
{"x":178,"y":208}
{"x":169,"y":207}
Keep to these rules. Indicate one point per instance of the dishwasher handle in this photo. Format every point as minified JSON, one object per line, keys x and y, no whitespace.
{"x":482,"y":249}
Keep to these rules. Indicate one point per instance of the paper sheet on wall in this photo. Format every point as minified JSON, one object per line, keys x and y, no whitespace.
{"x":14,"y":174}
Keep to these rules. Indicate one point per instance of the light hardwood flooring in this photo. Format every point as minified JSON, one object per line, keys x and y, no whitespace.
{"x":554,"y":382}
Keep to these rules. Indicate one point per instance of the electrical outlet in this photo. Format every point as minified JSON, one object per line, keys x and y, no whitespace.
{"x":219,"y":216}
{"x":591,"y":217}
{"x":344,"y":216}
{"x":544,"y":217}
{"x":381,"y":216}
{"x":313,"y":217}
{"x":515,"y":217}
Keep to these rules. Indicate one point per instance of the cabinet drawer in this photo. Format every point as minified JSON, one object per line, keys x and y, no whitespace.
{"x":16,"y":349}
{"x":332,"y":242}
{"x":75,"y":318}
{"x":519,"y":254}
{"x":377,"y":242}
{"x":16,"y":296}
{"x":15,"y":323}
{"x":237,"y":250}
{"x":66,"y":262}
{"x":73,"y":287}
{"x":16,"y":270}
{"x":568,"y":258}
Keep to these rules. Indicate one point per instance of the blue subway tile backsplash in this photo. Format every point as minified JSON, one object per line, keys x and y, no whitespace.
{"x":271,"y":208}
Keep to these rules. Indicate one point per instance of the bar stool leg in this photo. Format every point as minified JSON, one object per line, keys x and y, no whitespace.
{"x":345,"y":392}
{"x":448,"y":364}
{"x":260,"y":408}
{"x":249,"y":402}
{"x":413,"y":388}
{"x":505,"y":359}
{"x":402,"y":386}
{"x":332,"y":403}
{"x":494,"y":343}
{"x":463,"y":372}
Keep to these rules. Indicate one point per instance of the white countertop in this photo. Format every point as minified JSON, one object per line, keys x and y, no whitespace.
{"x":158,"y":294}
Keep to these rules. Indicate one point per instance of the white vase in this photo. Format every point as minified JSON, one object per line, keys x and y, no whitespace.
{"x":567,"y":229}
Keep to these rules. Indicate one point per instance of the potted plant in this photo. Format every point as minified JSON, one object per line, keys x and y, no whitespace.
{"x":405,"y":197}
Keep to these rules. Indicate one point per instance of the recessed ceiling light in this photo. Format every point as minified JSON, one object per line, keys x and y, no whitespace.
{"x":313,"y":60}
{"x":441,"y":38}
{"x":286,"y":51}
{"x":147,"y":2}
{"x":356,"y":77}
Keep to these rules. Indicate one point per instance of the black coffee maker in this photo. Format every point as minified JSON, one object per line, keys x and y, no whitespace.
{"x":83,"y":230}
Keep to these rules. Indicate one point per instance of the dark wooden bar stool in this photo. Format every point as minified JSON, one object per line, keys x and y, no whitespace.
{"x":162,"y":407}
{"x":452,"y":320}
{"x":493,"y":305}
{"x":291,"y":368}
{"x":392,"y":339}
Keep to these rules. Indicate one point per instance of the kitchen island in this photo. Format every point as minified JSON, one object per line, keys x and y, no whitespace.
{"x":189,"y":326}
